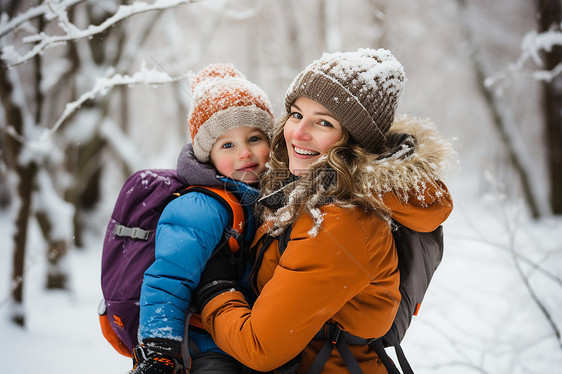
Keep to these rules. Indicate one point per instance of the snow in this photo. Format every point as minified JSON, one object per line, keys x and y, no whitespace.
{"x":63,"y":333}
{"x":376,"y":67}
{"x":478,"y":311}
{"x":122,"y":144}
{"x":532,"y":45}
{"x":46,"y":9}
{"x":50,"y":203}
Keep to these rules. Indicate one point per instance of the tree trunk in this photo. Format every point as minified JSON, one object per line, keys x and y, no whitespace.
{"x":85,"y":192}
{"x":499,"y":121}
{"x":26,"y":176}
{"x":56,"y":249}
{"x":550,"y":12}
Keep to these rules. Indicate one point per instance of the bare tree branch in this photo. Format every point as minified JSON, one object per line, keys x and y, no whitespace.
{"x":538,"y":302}
{"x":103,"y":85}
{"x":72,"y":33}
{"x":517,"y":255}
{"x":511,"y":223}
{"x":531,"y":47}
{"x":45,"y":9}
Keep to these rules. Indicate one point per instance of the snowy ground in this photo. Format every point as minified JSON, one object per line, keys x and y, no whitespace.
{"x":478,"y":317}
{"x":63,"y":333}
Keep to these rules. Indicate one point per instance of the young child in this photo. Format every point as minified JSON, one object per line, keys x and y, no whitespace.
{"x":230,"y":123}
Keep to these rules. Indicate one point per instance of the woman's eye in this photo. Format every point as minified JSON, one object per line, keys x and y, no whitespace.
{"x":326,"y":123}
{"x":296,"y":115}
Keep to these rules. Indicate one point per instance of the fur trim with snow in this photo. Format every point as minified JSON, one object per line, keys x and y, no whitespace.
{"x":432,"y":158}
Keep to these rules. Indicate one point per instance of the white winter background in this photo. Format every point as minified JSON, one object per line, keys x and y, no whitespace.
{"x":494,"y":300}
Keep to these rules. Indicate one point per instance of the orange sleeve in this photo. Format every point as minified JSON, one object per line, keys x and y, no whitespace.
{"x":424,"y":212}
{"x":315,"y":278}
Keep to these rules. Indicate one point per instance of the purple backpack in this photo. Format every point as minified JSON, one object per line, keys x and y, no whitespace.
{"x":128,"y":249}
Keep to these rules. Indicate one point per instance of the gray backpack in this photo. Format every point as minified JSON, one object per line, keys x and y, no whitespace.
{"x":419,"y":255}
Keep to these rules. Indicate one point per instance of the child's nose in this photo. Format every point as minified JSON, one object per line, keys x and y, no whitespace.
{"x":245,"y":153}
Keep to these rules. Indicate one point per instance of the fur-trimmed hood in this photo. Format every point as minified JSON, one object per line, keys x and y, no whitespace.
{"x":431,"y":159}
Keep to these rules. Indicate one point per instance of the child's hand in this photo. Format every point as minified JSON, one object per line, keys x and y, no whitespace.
{"x":219,"y":276}
{"x":155,"y":359}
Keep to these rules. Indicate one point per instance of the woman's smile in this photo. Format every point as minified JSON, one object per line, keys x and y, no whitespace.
{"x":301,"y":152}
{"x":310,"y":131}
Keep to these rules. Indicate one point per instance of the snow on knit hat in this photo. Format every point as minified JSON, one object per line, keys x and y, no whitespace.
{"x":222,"y":99}
{"x":361,"y":89}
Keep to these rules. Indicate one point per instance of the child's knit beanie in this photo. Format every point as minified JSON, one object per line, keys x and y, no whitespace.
{"x":361,"y":89}
{"x":222,"y":99}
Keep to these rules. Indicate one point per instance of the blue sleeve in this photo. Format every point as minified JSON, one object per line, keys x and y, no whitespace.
{"x":189,"y":228}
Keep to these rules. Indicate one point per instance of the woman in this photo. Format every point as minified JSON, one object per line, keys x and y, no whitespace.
{"x":341,"y":169}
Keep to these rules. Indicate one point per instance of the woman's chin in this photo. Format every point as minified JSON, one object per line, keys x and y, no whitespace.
{"x":298,"y":171}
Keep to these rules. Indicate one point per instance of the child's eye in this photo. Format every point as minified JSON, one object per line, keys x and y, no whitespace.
{"x":296,"y":115}
{"x":227,"y":145}
{"x":326,"y":123}
{"x":255,"y":138}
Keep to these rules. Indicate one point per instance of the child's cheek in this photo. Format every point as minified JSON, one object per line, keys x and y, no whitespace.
{"x":265,"y":154}
{"x":224,"y":167}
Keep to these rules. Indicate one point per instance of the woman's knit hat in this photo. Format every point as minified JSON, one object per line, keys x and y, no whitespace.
{"x":222,"y":99}
{"x":361,"y":89}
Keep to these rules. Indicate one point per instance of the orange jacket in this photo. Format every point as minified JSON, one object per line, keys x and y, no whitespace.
{"x":347,"y":274}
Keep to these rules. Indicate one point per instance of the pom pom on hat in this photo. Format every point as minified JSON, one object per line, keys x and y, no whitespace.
{"x":215,"y":71}
{"x":224,"y":99}
{"x":361,"y":89}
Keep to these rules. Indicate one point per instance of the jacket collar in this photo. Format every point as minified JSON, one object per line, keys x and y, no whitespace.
{"x":247,"y":195}
{"x":192,"y":172}
{"x":278,"y":198}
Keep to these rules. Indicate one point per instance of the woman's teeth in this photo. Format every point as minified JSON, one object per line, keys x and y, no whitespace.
{"x":305,"y":152}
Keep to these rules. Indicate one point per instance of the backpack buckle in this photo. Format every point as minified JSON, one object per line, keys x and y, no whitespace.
{"x":231,"y":233}
{"x":133,"y":232}
{"x":139,"y":233}
{"x":336,"y":336}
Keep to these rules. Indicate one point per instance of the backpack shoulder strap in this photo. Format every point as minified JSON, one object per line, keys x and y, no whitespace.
{"x":332,"y":336}
{"x":236,"y":221}
{"x":378,"y":346}
{"x":263,"y":245}
{"x":284,"y":239}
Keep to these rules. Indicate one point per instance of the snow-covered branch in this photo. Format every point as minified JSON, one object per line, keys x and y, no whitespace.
{"x":531,"y":47}
{"x":71,"y":33}
{"x":121,"y":144}
{"x":48,"y":8}
{"x":103,"y":85}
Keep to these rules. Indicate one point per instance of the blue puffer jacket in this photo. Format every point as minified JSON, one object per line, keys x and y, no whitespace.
{"x":188,"y":231}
